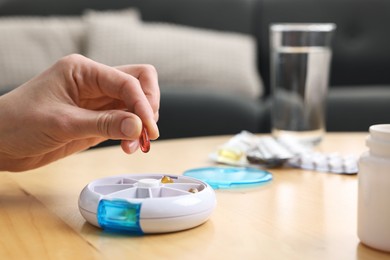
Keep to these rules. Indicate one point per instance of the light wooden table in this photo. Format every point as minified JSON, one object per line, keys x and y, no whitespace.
{"x":299,"y":215}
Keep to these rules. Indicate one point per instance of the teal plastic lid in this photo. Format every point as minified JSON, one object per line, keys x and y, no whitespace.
{"x":230,"y":177}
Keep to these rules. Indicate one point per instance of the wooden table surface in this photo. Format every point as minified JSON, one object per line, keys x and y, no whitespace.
{"x":299,"y":215}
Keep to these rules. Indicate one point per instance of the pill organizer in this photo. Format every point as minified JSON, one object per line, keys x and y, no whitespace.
{"x":147,"y":203}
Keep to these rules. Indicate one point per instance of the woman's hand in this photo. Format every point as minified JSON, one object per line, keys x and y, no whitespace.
{"x":75,"y":104}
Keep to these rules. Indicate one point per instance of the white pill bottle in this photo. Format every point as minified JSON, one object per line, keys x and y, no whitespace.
{"x":374,"y":190}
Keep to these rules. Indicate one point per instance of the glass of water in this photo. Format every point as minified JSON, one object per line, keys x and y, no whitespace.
{"x":300,"y":62}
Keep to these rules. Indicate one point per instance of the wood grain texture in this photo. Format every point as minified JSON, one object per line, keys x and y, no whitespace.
{"x":30,"y":231}
{"x":298,"y":215}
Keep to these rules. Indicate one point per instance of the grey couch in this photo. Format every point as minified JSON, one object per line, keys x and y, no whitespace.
{"x":359,"y":95}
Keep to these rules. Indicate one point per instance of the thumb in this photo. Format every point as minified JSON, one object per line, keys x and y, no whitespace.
{"x":110,"y":124}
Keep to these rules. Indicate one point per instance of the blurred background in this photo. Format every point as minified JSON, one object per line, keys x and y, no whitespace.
{"x":212,"y":55}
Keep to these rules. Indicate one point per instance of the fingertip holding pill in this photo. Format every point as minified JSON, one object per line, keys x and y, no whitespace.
{"x":144,"y":141}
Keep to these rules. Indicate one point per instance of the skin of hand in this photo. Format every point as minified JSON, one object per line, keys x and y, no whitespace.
{"x":73,"y":105}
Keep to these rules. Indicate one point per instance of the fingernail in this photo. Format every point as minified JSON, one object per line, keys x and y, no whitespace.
{"x":153,"y":124}
{"x":129,"y":127}
{"x":133,"y":146}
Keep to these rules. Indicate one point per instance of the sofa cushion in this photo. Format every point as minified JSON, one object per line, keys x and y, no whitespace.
{"x":351,"y":108}
{"x":28,"y":45}
{"x":185,"y":57}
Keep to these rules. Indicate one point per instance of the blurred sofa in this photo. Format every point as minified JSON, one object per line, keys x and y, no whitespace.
{"x":233,"y":91}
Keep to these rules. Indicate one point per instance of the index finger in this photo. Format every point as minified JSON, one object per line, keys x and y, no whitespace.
{"x":117,"y":84}
{"x":148,"y":77}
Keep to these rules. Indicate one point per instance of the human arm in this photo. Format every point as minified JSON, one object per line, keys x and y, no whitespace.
{"x":73,"y":105}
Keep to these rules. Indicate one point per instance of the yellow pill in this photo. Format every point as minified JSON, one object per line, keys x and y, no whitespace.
{"x":230,"y":154}
{"x":166,"y":179}
{"x":193,"y":190}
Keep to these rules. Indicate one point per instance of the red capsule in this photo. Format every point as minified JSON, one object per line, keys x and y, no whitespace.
{"x":144,"y":141}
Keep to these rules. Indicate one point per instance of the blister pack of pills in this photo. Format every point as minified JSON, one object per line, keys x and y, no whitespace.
{"x":246,"y":148}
